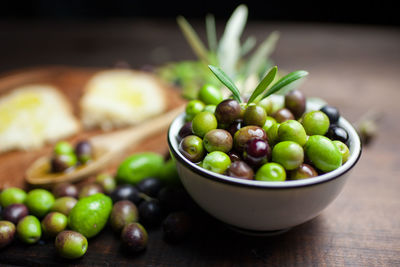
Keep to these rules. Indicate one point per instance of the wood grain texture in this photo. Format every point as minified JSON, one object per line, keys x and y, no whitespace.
{"x":354,"y":68}
{"x":71,"y":82}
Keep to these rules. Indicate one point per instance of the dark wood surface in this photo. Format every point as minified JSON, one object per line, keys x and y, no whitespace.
{"x":354,"y":68}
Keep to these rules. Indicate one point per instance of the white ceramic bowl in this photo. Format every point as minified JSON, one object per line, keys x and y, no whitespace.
{"x":262,"y":206}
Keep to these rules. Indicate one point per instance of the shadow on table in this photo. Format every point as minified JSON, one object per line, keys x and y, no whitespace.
{"x":223,"y":245}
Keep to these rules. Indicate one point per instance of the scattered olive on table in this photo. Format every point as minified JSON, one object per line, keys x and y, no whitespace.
{"x":12,"y":195}
{"x":90,"y":189}
{"x":150,"y":186}
{"x":54,"y":223}
{"x":39,"y":202}
{"x":14,"y":213}
{"x":29,"y":229}
{"x":70,"y":244}
{"x":64,"y":205}
{"x":123,"y":213}
{"x":134,"y":237}
{"x":7,"y":232}
{"x":107,"y":182}
{"x":65,"y":190}
{"x":150,"y":212}
{"x":126,"y":192}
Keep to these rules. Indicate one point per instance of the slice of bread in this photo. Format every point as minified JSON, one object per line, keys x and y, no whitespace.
{"x":32,"y":115}
{"x":118,"y":98}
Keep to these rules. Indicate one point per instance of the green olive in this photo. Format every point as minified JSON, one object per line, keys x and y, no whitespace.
{"x":39,"y":202}
{"x":71,"y":244}
{"x":139,"y":166}
{"x":210,"y":95}
{"x":62,"y":148}
{"x":53,"y":223}
{"x":217,"y":161}
{"x":254,"y":115}
{"x":12,"y":195}
{"x":193,"y":108}
{"x":343,"y":149}
{"x":269,"y":122}
{"x":218,"y":140}
{"x":29,"y":230}
{"x":272,"y":103}
{"x":289,"y":154}
{"x":192,"y":148}
{"x":203,"y":123}
{"x":323,"y":153}
{"x":210,"y":108}
{"x":315,"y":123}
{"x":271,"y":172}
{"x":243,"y":135}
{"x":272,"y":134}
{"x":107,"y":182}
{"x":292,"y":130}
{"x":64,"y":205}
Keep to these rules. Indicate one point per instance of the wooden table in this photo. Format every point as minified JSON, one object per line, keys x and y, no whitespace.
{"x":355,"y":68}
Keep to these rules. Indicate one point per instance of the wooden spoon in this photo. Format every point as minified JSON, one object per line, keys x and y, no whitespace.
{"x":107,"y":147}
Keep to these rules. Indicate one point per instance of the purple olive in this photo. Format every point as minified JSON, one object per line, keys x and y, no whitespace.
{"x":65,"y":190}
{"x":295,"y":101}
{"x":15,"y":212}
{"x":84,"y":151}
{"x":245,"y":134}
{"x":304,"y":171}
{"x":239,"y":169}
{"x":185,"y":130}
{"x":7,"y":233}
{"x":134,"y":237}
{"x":256,"y":152}
{"x":90,"y":189}
{"x":235,"y":126}
{"x":228,"y":111}
{"x":282,"y":115}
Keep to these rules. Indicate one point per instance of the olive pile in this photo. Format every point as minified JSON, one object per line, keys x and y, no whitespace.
{"x":22,"y":212}
{"x":263,"y":141}
{"x":65,"y":157}
{"x":67,"y":216}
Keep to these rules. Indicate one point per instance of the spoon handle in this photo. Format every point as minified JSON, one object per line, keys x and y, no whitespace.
{"x":118,"y":141}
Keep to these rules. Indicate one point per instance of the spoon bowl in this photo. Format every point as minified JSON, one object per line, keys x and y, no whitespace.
{"x":107,"y":148}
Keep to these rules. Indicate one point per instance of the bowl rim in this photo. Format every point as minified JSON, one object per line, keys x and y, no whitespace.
{"x":355,"y":154}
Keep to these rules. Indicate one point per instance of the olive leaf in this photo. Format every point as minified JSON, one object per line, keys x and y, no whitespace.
{"x":221,"y":75}
{"x":229,"y":45}
{"x":193,"y":39}
{"x":211,"y":33}
{"x":249,"y":44}
{"x":285,"y":81}
{"x":263,"y":84}
{"x":261,"y":54}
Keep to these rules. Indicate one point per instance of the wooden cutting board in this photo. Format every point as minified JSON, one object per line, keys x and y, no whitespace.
{"x":71,"y":82}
